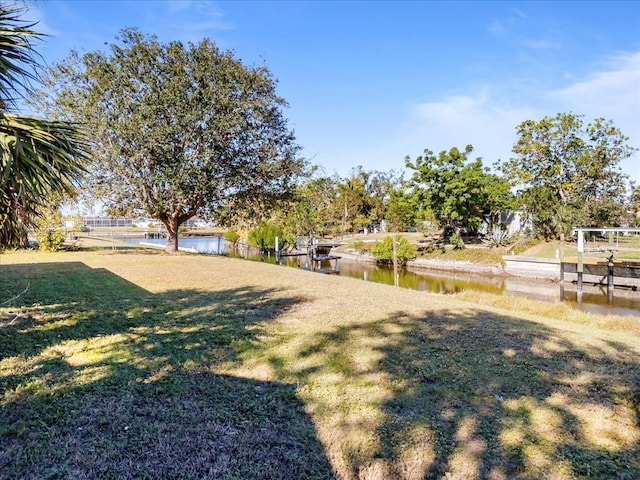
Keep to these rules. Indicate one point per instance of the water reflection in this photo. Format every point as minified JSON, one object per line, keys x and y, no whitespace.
{"x":599,"y":300}
{"x":422,"y":280}
{"x":594,"y":299}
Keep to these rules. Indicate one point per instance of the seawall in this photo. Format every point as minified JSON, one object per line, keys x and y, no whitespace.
{"x":515,"y":266}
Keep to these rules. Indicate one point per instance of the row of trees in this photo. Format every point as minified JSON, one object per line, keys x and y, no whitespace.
{"x":564,"y":174}
{"x":172,"y":131}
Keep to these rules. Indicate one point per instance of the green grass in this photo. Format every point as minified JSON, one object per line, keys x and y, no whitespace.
{"x":553,"y":248}
{"x":473,"y":254}
{"x":144,"y":365}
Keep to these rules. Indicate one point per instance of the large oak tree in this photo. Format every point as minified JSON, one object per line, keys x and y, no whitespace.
{"x":178,"y":130}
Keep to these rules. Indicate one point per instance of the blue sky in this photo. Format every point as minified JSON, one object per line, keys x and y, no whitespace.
{"x":369,"y":82}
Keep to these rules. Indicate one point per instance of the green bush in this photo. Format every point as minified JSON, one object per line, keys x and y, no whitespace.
{"x":265,"y":235}
{"x":49,"y":232}
{"x":383,"y":251}
{"x":231,"y":236}
{"x":456,"y":241}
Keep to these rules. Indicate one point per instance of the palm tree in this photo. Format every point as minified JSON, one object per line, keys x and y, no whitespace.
{"x":40,"y":160}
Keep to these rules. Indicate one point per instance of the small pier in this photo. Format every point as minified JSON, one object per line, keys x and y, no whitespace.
{"x":612,"y":273}
{"x":330,"y":264}
{"x":603,"y":271}
{"x":154,"y":235}
{"x":315,"y":256}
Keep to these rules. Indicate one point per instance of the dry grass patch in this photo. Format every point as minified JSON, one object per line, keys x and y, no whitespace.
{"x":159,"y":366}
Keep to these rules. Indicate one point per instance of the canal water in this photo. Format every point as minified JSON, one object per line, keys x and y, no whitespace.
{"x":594,"y":299}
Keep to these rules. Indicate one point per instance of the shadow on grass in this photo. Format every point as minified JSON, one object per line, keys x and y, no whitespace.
{"x":102,"y":379}
{"x":472,"y":394}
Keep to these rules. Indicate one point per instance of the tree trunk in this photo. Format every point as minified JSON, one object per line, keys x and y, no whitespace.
{"x":171,"y":224}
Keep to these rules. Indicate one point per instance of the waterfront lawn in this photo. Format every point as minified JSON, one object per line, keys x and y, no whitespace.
{"x":552,"y":248}
{"x":146,"y":365}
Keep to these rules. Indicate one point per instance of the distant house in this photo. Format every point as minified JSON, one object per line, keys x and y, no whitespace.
{"x":97,"y":222}
{"x":512,"y":221}
{"x":197,"y":223}
{"x":141,"y":222}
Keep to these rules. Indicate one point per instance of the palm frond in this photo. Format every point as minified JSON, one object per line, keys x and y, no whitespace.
{"x":18,"y":62}
{"x":39,"y":160}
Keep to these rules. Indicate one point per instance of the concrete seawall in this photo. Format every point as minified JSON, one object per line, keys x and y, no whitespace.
{"x":532,"y":267}
{"x":513,"y":265}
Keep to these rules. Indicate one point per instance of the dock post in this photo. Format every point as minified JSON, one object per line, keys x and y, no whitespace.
{"x":277,"y":251}
{"x":610,"y":275}
{"x":579,"y":267}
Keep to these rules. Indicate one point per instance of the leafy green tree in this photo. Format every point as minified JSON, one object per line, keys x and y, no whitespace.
{"x":634,"y":207}
{"x":350,"y":203}
{"x":361,"y":199}
{"x":568,"y":174}
{"x":40,"y":160}
{"x":309,"y":212}
{"x":264,"y":235}
{"x":459,"y":192}
{"x":379,"y":188}
{"x":180,"y":130}
{"x":401,"y":210}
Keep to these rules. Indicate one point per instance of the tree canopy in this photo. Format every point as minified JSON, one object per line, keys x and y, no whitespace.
{"x":40,"y":160}
{"x":179,"y":130}
{"x":568,"y":173}
{"x":459,"y":192}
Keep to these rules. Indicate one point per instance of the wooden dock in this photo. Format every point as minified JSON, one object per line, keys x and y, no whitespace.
{"x":317,"y":257}
{"x":623,"y":273}
{"x":331,"y":270}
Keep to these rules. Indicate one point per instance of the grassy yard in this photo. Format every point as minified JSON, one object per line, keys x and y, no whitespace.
{"x":134,"y":364}
{"x":570,"y":249}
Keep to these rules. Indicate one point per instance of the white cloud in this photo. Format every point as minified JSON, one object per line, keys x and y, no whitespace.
{"x":612,"y":93}
{"x":34,"y":15}
{"x":496,"y":27}
{"x":476,"y":119}
{"x":488,"y":121}
{"x":190,"y":20}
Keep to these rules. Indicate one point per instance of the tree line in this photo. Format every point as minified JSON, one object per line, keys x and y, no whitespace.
{"x":173,"y":131}
{"x":564,"y":174}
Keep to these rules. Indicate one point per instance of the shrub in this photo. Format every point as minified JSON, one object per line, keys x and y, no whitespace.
{"x":497,"y":237}
{"x":231,"y":236}
{"x":49,"y":232}
{"x":265,"y":235}
{"x":383,"y":251}
{"x":456,"y":241}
